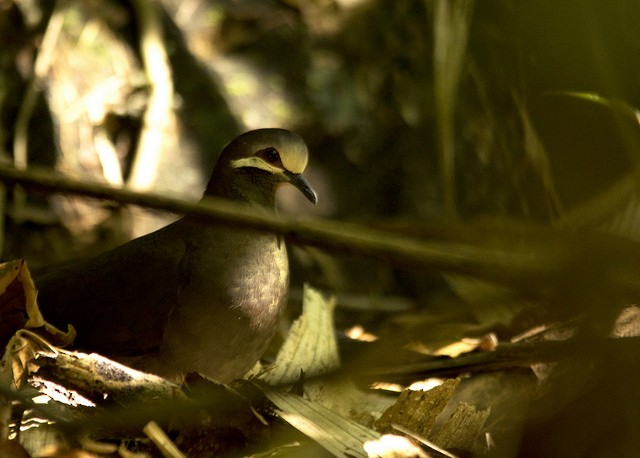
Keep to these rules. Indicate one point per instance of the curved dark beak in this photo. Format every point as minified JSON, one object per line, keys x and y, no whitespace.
{"x":300,"y":182}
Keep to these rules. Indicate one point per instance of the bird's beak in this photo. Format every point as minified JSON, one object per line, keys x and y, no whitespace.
{"x":300,"y":182}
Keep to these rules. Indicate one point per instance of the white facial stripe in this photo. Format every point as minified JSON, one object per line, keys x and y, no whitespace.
{"x":254,"y":161}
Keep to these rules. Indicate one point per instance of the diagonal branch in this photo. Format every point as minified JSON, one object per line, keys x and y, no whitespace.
{"x":533,"y":268}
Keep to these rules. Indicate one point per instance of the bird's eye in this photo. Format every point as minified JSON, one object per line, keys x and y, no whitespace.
{"x":271,"y":155}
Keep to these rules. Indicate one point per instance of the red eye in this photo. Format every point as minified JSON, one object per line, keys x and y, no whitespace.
{"x":270,"y":155}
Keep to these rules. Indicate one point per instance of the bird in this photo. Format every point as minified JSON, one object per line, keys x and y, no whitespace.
{"x":192,"y":297}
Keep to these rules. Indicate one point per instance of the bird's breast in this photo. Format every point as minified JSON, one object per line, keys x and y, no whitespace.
{"x":260,"y":284}
{"x":252,"y":284}
{"x":226,"y":316}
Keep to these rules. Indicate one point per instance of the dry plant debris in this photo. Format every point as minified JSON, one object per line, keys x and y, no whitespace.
{"x":82,"y":390}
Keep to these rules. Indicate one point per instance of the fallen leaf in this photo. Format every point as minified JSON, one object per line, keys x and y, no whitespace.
{"x":311,"y":347}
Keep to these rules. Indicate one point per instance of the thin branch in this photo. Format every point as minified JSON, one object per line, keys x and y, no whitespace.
{"x":533,"y":268}
{"x":334,"y":235}
{"x":511,"y":355}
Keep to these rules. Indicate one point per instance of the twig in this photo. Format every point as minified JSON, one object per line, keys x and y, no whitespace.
{"x":162,"y":441}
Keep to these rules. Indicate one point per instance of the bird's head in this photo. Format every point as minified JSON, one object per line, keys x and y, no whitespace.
{"x":253,"y":165}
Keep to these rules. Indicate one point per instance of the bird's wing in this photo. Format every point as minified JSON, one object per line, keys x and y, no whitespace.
{"x":119,"y":301}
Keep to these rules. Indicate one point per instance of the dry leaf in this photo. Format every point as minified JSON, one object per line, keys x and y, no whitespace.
{"x":18,"y":304}
{"x":311,"y":347}
{"x":417,"y":410}
{"x":338,"y":435}
{"x":17,"y":299}
{"x":487,"y":342}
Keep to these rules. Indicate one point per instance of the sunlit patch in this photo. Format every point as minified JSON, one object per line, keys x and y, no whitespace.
{"x":60,"y":393}
{"x":419,"y":385}
{"x":393,"y":445}
{"x":42,"y":399}
{"x":28,"y":422}
{"x":385,"y":386}
{"x":257,"y":99}
{"x":426,"y":385}
{"x":487,"y":342}
{"x":357,"y":332}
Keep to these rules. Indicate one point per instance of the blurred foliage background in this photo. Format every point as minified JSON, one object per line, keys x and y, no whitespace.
{"x":419,"y":114}
{"x":423,"y":110}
